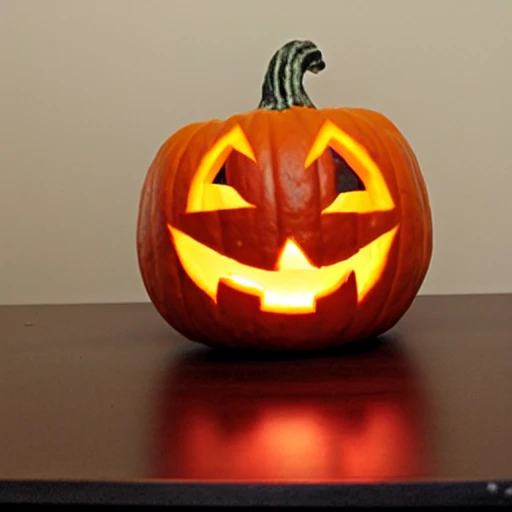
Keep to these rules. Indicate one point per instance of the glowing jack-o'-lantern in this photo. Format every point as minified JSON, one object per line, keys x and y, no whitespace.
{"x":353,"y":418}
{"x":287,"y":227}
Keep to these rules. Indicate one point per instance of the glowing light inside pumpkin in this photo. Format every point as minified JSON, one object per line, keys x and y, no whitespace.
{"x":295,"y":285}
{"x":376,"y":197}
{"x":204,"y":196}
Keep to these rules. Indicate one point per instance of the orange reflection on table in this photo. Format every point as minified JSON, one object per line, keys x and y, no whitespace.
{"x":339,"y":417}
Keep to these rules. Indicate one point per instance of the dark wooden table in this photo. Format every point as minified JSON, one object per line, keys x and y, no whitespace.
{"x":106,"y":404}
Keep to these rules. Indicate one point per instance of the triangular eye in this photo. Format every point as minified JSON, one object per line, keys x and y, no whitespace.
{"x":346,"y":178}
{"x":220,"y":177}
{"x":204,"y":194}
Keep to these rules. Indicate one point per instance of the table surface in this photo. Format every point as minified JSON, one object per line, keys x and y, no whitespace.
{"x":104,"y":403}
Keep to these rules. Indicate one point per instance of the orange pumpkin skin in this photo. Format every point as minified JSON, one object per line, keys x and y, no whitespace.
{"x":287,"y":198}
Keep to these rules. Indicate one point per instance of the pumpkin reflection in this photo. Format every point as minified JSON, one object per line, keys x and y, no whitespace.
{"x":356,"y":417}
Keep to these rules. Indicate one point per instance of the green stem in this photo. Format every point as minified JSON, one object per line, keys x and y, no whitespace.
{"x":283,"y":84}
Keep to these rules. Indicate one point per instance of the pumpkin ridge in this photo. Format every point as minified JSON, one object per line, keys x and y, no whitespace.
{"x":419,"y":270}
{"x":418,"y":181}
{"x":367,"y":125}
{"x":300,"y":120}
{"x":427,"y":214}
{"x":315,"y":165}
{"x":156,"y":196}
{"x":283,"y":82}
{"x":277,"y":185}
{"x":251,"y":122}
{"x":180,"y":274}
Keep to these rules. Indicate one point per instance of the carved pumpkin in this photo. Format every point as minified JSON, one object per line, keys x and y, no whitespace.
{"x":356,"y":417}
{"x":286,"y":227}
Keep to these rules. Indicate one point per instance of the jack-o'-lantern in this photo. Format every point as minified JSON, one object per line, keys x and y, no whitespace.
{"x":287,"y":227}
{"x":360,"y":417}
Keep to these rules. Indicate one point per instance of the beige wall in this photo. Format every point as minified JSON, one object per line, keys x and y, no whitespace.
{"x":90,"y":88}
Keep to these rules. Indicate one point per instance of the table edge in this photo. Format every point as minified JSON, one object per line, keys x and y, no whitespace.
{"x":166,"y":493}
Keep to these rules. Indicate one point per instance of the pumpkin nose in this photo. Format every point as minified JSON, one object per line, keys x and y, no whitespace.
{"x":293,"y":258}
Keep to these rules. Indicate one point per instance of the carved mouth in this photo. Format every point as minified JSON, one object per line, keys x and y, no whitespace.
{"x":295,"y":285}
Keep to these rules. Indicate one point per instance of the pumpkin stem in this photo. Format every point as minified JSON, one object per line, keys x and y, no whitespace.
{"x":282,"y":87}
